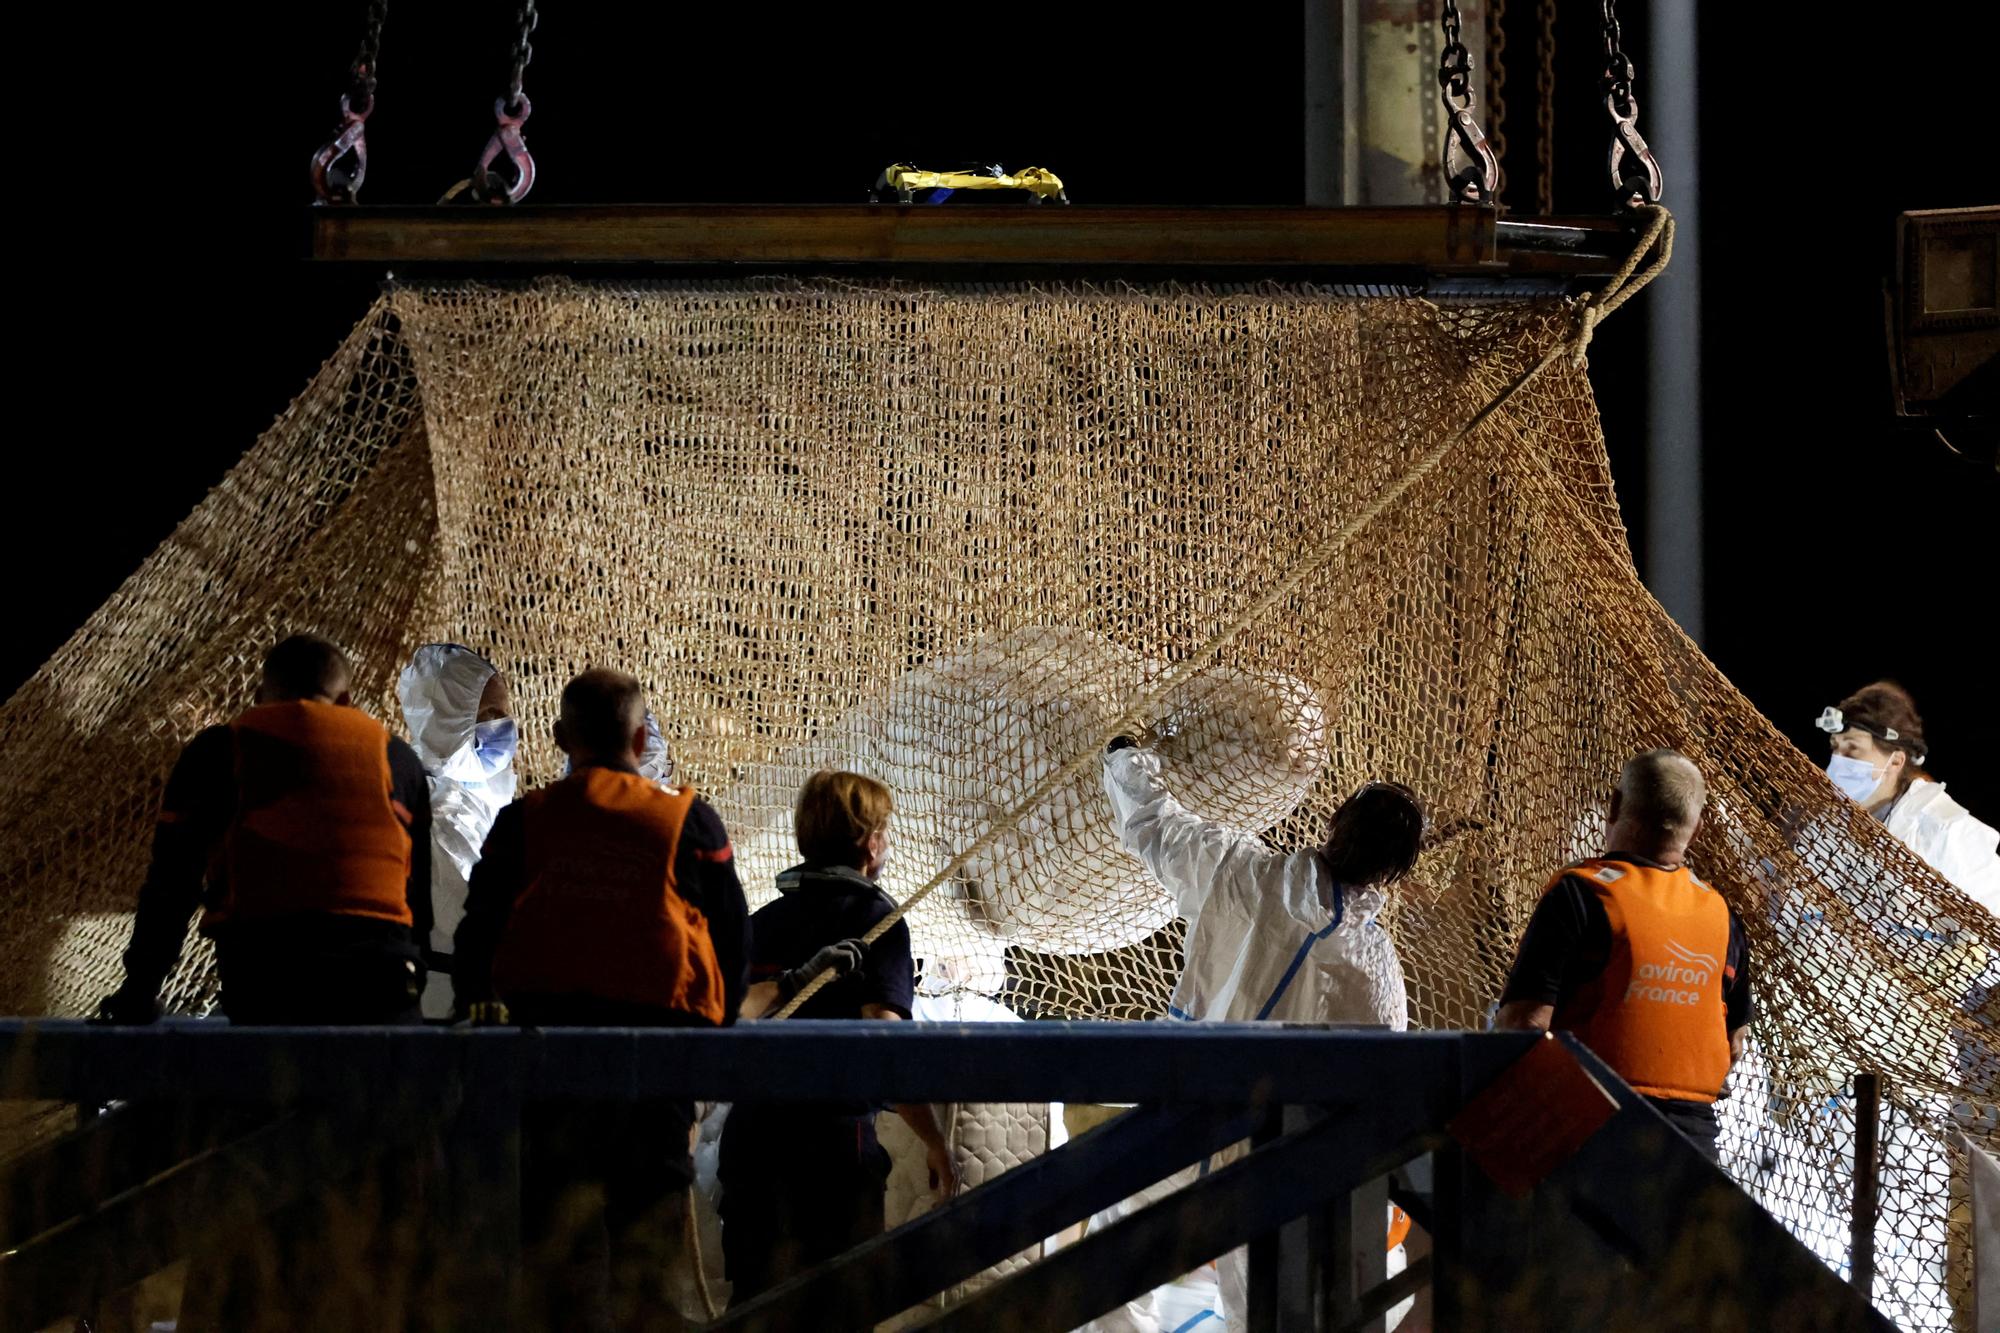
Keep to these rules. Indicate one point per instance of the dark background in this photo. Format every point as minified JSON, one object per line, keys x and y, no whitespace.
{"x":159,"y":197}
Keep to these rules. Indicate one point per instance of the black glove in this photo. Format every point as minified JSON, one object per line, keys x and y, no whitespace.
{"x":1120,"y":743}
{"x":128,"y":1007}
{"x":841,"y":958}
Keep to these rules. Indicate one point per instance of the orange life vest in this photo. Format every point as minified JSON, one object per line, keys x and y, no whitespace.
{"x":1657,"y":1014}
{"x":317,"y":827}
{"x":599,"y":913}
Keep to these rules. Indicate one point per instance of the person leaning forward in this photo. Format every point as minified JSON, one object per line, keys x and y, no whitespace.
{"x":604,"y":900}
{"x":1641,"y":960}
{"x":304,"y":828}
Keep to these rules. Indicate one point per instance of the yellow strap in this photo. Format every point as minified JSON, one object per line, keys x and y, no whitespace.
{"x":1036,"y":180}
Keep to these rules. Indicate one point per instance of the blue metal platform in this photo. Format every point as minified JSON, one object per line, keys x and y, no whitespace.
{"x":1629,"y":1228}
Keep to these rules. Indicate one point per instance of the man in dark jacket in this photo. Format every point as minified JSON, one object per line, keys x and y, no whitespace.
{"x":604,"y":900}
{"x":303,"y":828}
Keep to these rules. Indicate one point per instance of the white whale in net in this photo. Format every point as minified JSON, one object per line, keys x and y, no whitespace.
{"x":965,"y":738}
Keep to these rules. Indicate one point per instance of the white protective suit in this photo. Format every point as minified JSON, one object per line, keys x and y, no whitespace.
{"x":1950,"y":840}
{"x":471,"y":767}
{"x":655,"y":762}
{"x":1772,"y":1135}
{"x":1270,"y":937}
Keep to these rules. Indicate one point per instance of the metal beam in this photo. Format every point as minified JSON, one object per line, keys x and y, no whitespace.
{"x":1333,"y":103}
{"x":107,"y":1154}
{"x":947,"y":1245}
{"x":1214,"y":1064}
{"x":67,"y":1270}
{"x":1636,"y":1201}
{"x":1348,"y":1243}
{"x":1634,"y":1197}
{"x":1215,"y":1214}
{"x":1374,"y":1304}
{"x":1254,"y":240}
{"x":1654,"y":1200}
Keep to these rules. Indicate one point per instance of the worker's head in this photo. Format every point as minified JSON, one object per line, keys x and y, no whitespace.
{"x":455,"y":705}
{"x":603,"y":720}
{"x":1878,"y":743}
{"x":306,"y":667}
{"x":1375,"y":836}
{"x":843,"y":820}
{"x":1656,"y":807}
{"x":494,"y":702}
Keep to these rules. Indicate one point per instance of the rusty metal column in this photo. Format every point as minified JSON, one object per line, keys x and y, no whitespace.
{"x":1333,"y":87}
{"x":1374,"y":127}
{"x":1673,"y":556}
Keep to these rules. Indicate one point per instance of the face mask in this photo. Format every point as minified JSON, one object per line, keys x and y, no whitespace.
{"x":495,"y":741}
{"x":1858,"y":780}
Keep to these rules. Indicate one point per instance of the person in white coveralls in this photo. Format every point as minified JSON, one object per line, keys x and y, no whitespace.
{"x":456,"y":707}
{"x":1280,"y":936}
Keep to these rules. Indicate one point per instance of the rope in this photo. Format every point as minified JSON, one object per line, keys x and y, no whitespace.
{"x":1629,"y":278}
{"x":691,"y":1235}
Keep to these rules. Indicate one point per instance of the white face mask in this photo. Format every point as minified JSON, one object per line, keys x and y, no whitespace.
{"x":1855,"y":778}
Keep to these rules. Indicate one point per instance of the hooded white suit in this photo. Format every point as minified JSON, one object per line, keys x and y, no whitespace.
{"x":471,"y":767}
{"x":1271,"y":936}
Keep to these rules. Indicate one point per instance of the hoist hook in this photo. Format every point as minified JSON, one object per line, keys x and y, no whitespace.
{"x":341,"y":164}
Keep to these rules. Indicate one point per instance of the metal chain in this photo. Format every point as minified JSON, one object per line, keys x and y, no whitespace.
{"x":1635,"y":175}
{"x":1471,"y":173}
{"x":1455,"y":62}
{"x":1618,"y":69}
{"x":1545,"y":110}
{"x":524,"y":50}
{"x":1496,"y":84}
{"x":341,"y":164}
{"x":366,"y":58}
{"x":505,"y":171}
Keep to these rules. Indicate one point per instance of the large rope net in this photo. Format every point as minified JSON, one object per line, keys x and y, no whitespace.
{"x":952,"y":536}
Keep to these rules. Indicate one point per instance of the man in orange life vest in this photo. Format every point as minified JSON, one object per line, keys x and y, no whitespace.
{"x":310,"y":824}
{"x":1641,"y":960}
{"x":604,"y":900}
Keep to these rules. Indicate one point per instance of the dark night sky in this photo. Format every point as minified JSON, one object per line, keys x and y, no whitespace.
{"x":160,"y":205}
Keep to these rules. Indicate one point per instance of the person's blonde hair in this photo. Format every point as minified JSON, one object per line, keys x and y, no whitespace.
{"x":837,"y":813}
